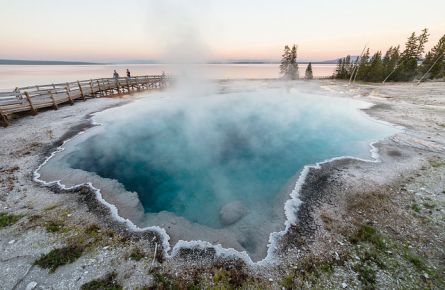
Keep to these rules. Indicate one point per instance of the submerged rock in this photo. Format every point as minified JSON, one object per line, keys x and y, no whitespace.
{"x":232,"y":213}
{"x":31,"y":285}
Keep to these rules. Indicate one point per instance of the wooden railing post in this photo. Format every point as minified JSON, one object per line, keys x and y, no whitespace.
{"x":91,"y":88}
{"x":4,"y":118}
{"x":100,"y":90}
{"x":128,"y":85}
{"x":118,"y":87}
{"x":34,"y":111}
{"x":81,"y":91}
{"x":68,"y":94}
{"x":54,"y":100}
{"x":109,"y":87}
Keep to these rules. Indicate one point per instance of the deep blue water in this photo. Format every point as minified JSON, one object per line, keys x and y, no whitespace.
{"x":192,"y":156}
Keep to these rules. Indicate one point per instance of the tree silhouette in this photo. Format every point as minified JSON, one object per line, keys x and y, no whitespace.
{"x":396,"y":65}
{"x":308,"y":74}
{"x":289,"y":65}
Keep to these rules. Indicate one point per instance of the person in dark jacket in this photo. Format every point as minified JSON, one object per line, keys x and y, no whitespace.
{"x":115,"y":75}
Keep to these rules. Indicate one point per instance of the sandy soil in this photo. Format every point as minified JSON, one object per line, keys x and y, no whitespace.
{"x":361,"y":224}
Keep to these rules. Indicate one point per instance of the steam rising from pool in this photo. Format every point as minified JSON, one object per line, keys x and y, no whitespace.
{"x":218,"y":166}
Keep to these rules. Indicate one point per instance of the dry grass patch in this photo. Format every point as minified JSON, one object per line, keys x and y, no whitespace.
{"x":59,"y":257}
{"x":7,"y":219}
{"x":328,"y":221}
{"x":107,"y":283}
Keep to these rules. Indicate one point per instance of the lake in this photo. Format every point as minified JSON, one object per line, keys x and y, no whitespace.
{"x":12,"y":76}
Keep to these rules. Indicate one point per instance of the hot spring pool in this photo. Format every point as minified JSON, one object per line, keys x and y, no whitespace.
{"x":219,"y":166}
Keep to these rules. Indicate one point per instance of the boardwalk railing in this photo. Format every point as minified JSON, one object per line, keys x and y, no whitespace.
{"x":33,"y":98}
{"x":323,"y":78}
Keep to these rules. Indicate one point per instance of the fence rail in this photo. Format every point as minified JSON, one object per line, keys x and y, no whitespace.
{"x":323,"y":78}
{"x":33,"y":98}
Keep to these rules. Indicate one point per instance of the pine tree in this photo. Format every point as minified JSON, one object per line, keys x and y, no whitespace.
{"x":293,"y":65}
{"x":338,"y":70}
{"x":285,"y":59}
{"x":363,"y":67}
{"x":344,"y":68}
{"x":390,"y":62}
{"x":289,"y":65}
{"x":434,"y":62}
{"x":308,"y":74}
{"x":348,"y":66}
{"x":408,"y":60}
{"x":376,"y":69}
{"x":414,"y":48}
{"x":422,"y":39}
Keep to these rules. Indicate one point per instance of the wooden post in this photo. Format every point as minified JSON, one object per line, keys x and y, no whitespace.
{"x":128,"y":86}
{"x":81,"y":91}
{"x":69,"y":97}
{"x":68,"y":87}
{"x":4,"y":118}
{"x":34,"y":111}
{"x":104,"y":87}
{"x":100,"y":90}
{"x":109,"y":87}
{"x":118,"y":87}
{"x":91,"y":88}
{"x":54,"y":100}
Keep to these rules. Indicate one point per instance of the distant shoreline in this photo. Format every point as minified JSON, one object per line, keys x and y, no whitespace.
{"x":44,"y":62}
{"x":48,"y":62}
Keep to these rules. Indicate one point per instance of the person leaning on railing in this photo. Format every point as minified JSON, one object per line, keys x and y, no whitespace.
{"x":115,"y":75}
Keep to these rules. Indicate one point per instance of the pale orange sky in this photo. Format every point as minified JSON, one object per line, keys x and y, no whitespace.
{"x":136,"y":29}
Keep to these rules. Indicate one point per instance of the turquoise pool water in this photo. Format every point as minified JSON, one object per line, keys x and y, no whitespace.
{"x":220,"y":158}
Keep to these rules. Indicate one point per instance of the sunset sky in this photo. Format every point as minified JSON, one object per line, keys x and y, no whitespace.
{"x":109,"y":30}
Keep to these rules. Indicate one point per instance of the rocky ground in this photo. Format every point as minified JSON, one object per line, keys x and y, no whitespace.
{"x":361,"y":224}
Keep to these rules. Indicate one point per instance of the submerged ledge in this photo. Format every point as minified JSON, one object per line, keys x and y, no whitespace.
{"x":291,"y":206}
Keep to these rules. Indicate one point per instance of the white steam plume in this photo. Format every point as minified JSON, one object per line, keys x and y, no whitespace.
{"x":173,"y":24}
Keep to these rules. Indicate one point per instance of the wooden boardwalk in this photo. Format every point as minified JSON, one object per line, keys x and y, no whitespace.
{"x":32,"y":98}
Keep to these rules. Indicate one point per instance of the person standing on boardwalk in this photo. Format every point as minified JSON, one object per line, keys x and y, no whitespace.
{"x":115,"y":75}
{"x":128,"y":74}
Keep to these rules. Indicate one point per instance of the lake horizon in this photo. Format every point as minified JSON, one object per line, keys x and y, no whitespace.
{"x":12,"y":76}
